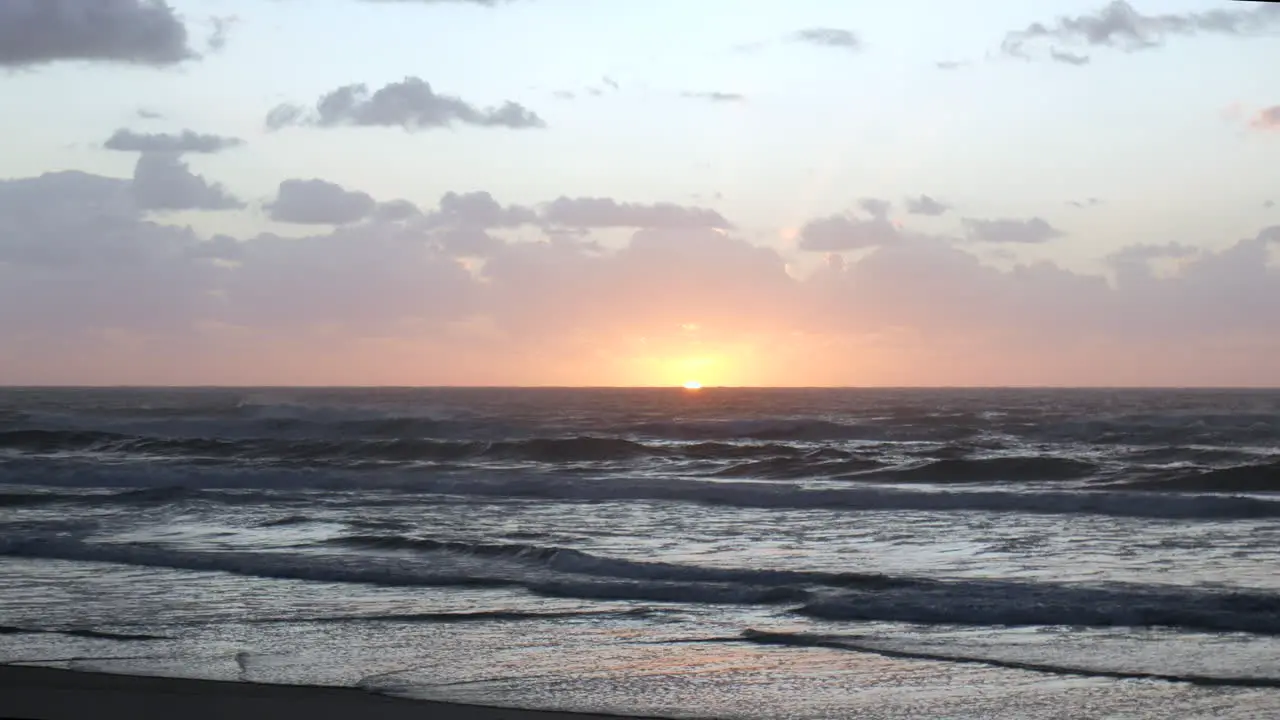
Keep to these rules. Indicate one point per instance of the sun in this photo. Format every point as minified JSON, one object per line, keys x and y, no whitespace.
{"x":692,"y":385}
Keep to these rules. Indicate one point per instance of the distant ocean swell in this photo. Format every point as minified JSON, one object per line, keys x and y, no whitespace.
{"x":150,"y":484}
{"x":560,"y":572}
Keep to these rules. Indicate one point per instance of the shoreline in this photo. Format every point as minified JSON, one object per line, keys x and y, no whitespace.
{"x":43,"y":693}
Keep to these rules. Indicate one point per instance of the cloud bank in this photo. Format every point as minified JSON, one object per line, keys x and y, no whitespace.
{"x":475,"y":291}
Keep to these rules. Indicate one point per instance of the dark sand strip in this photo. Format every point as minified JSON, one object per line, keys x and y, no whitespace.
{"x":34,"y":693}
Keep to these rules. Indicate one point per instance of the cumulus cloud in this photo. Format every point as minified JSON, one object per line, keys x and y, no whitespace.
{"x":715,"y":97}
{"x":589,"y":212}
{"x":139,"y":32}
{"x":1006,"y":230}
{"x":411,"y":104}
{"x":925,"y":205}
{"x":187,"y":141}
{"x":319,"y":202}
{"x":93,"y":290}
{"x":1119,"y":26}
{"x":828,"y":37}
{"x":162,"y":181}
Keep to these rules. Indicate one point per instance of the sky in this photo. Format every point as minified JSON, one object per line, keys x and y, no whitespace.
{"x":575,"y":192}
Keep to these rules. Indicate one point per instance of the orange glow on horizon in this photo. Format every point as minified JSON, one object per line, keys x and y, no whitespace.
{"x":692,"y":385}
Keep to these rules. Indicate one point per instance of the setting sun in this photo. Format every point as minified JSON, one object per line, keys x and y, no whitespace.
{"x":692,"y":385}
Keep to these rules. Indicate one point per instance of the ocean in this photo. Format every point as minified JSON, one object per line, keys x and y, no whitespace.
{"x":723,"y":553}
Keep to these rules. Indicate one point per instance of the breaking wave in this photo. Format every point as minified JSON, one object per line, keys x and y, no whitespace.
{"x":851,"y":596}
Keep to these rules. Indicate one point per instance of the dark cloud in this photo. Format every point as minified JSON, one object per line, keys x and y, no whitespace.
{"x":713,"y":96}
{"x":828,"y":37}
{"x":319,"y":202}
{"x":1004,"y":230}
{"x":1118,"y":25}
{"x":140,"y":32}
{"x":925,"y":205}
{"x":162,"y":181}
{"x":148,"y":114}
{"x":411,"y":104}
{"x":1086,"y":203}
{"x":187,"y":141}
{"x":1068,"y":58}
{"x":1267,"y":119}
{"x":838,"y":233}
{"x":1269,"y":204}
{"x":588,"y":212}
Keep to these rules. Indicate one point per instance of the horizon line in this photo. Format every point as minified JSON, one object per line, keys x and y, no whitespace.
{"x":704,"y":388}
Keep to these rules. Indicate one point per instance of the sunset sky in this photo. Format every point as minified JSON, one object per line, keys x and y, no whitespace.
{"x":581,"y":192}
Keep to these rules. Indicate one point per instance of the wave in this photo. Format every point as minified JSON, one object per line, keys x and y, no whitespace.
{"x":831,"y":596}
{"x":1262,"y":478}
{"x":807,"y":640}
{"x":288,"y":451}
{"x":213,"y":484}
{"x":979,"y":470}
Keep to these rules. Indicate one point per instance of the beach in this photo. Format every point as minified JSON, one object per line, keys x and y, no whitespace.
{"x":30,"y":693}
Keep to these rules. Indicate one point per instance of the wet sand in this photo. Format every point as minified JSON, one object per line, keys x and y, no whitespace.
{"x":34,"y":693}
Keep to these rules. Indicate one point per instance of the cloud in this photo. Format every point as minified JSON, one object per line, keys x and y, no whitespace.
{"x":396,"y":211}
{"x":587,"y":212}
{"x":139,"y":32}
{"x":1269,"y":204}
{"x":1267,"y":119}
{"x":221,"y":28}
{"x":876,"y":207}
{"x":838,"y":233}
{"x":1143,"y":253}
{"x":187,"y":141}
{"x":1068,"y":58}
{"x":950,"y":64}
{"x":1030,"y":231}
{"x":148,"y":114}
{"x":319,"y":202}
{"x":1119,"y":26}
{"x":411,"y":104}
{"x":479,"y":210}
{"x":828,"y":37}
{"x":92,"y":290}
{"x":925,"y":205}
{"x":716,"y":97}
{"x":162,"y":181}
